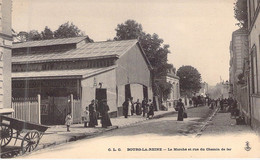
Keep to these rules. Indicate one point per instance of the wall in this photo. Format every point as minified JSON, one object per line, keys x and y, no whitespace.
{"x":132,"y":69}
{"x":108,"y":80}
{"x":5,"y":53}
{"x":255,"y":98}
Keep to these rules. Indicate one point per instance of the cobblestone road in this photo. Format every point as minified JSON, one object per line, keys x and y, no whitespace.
{"x":151,"y":133}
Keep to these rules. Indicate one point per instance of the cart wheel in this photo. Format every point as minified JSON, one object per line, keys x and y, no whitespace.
{"x":6,"y":134}
{"x":30,"y":141}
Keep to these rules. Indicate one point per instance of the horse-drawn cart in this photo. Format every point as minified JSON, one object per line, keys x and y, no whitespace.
{"x":29,"y":133}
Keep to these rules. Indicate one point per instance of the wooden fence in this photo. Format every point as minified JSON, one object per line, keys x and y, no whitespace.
{"x":27,"y":109}
{"x":76,"y":111}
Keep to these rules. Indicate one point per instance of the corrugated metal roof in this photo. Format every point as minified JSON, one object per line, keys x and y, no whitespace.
{"x":89,"y":50}
{"x":51,"y":74}
{"x":49,"y":42}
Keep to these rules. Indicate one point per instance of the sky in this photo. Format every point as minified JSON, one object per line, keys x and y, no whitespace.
{"x":198,"y":31}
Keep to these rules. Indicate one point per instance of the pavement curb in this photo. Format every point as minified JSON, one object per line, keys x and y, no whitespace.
{"x":207,"y":123}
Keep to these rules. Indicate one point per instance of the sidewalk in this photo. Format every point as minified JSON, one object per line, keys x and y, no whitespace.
{"x":222,"y":124}
{"x":58,"y":134}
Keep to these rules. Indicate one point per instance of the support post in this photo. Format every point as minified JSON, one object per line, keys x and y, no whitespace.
{"x":71,"y":106}
{"x":39,"y":108}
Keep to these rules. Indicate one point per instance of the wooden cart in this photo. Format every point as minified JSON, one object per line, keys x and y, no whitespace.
{"x":29,"y":133}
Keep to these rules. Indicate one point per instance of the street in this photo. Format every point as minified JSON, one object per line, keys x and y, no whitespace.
{"x":150,"y":133}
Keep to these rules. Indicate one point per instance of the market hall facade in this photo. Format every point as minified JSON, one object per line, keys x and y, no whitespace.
{"x":61,"y":69}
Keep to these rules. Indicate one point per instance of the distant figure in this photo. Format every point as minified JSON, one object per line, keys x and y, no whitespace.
{"x":125,"y":107}
{"x":150,"y":113}
{"x":144,"y":105}
{"x":92,"y":114}
{"x":181,"y":110}
{"x":138,"y":109}
{"x":68,"y":121}
{"x":85,"y":117}
{"x":132,"y":106}
{"x":221,"y":103}
{"x":105,"y":119}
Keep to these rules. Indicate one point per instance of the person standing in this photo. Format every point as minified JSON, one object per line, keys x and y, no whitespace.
{"x":105,"y":120}
{"x":138,"y":107}
{"x":68,"y":121}
{"x":85,"y":117}
{"x":92,"y":114}
{"x":151,"y":109}
{"x":125,"y":107}
{"x":181,"y":110}
{"x":144,"y":104}
{"x":132,"y":106}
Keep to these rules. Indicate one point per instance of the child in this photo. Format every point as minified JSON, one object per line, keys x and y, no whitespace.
{"x":68,"y":121}
{"x":85,"y":117}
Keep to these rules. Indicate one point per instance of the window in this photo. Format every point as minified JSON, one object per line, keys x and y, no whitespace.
{"x":254,"y":72}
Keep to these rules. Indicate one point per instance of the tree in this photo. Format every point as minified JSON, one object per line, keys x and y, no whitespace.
{"x":190,"y":80}
{"x":128,"y":30}
{"x":67,"y":30}
{"x":22,"y":36}
{"x":240,"y":11}
{"x":154,"y":49}
{"x":47,"y":33}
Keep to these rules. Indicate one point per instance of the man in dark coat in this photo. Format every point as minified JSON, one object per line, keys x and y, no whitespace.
{"x":138,"y":109}
{"x":105,"y":119}
{"x":144,"y":105}
{"x":125,"y":107}
{"x":92,"y":114}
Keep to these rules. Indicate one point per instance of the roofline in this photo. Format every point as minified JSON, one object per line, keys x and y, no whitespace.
{"x":85,"y":37}
{"x":68,"y":76}
{"x":64,"y":60}
{"x":47,"y":77}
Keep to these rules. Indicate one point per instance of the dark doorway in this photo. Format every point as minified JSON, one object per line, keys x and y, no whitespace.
{"x":127,"y":91}
{"x":101,"y":94}
{"x":145,"y":92}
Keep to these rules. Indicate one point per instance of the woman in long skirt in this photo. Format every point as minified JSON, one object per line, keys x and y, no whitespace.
{"x":181,"y":109}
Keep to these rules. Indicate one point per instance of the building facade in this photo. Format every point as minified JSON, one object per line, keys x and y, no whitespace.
{"x":238,"y":52}
{"x":254,"y":63}
{"x":238,"y":70}
{"x":174,"y":95}
{"x":5,"y":53}
{"x":58,"y":68}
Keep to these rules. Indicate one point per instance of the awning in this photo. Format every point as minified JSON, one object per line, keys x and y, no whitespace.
{"x":60,"y":74}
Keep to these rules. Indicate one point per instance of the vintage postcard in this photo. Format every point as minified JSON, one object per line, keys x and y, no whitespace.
{"x":129,"y":79}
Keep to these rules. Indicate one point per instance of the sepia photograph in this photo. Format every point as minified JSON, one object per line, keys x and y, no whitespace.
{"x":129,"y":79}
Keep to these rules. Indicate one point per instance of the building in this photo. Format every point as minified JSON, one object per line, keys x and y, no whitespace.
{"x":238,"y":52}
{"x":61,"y":70}
{"x":237,"y":70}
{"x":175,"y":90}
{"x":224,"y":89}
{"x":253,"y":7}
{"x":5,"y":53}
{"x":203,"y":90}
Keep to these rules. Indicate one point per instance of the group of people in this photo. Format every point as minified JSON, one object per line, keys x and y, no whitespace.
{"x":91,"y":114}
{"x":226,"y":105}
{"x":145,"y":108}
